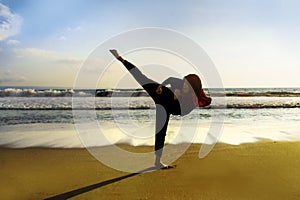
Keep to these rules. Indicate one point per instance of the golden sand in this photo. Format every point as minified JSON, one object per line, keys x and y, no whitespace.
{"x":265,"y":170}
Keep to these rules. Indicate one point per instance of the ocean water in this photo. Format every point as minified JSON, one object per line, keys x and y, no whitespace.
{"x":37,"y":117}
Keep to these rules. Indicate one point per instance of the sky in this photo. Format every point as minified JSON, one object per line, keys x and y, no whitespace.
{"x":253,"y":43}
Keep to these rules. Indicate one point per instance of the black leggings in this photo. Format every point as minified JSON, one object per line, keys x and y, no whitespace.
{"x":165,"y":104}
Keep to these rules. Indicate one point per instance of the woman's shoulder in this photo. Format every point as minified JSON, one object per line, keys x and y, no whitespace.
{"x":172,"y":81}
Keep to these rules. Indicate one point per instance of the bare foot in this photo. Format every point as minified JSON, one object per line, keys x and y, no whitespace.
{"x":115,"y":53}
{"x":163,"y":166}
{"x":160,"y":165}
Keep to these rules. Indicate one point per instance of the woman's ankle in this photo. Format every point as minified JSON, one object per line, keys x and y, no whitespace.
{"x":120,"y":59}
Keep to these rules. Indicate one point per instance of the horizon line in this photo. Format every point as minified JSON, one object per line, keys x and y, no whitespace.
{"x":139,"y":88}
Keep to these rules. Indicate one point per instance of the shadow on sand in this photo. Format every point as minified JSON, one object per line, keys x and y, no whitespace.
{"x":88,"y":188}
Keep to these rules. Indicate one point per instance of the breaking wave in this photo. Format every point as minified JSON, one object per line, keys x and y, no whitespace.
{"x":229,"y":92}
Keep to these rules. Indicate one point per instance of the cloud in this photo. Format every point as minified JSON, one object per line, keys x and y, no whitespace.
{"x":7,"y":77}
{"x":74,"y":29}
{"x":10,"y":23}
{"x":68,"y":32}
{"x":13,"y":42}
{"x":35,"y":52}
{"x":62,"y":38}
{"x":47,"y":56}
{"x":39,"y":67}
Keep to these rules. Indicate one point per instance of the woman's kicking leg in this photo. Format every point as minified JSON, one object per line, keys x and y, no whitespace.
{"x":148,"y":84}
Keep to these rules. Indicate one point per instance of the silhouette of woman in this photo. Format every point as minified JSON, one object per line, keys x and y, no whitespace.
{"x":180,"y":98}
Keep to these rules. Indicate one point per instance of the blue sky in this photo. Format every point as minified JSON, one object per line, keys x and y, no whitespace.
{"x":252,"y":43}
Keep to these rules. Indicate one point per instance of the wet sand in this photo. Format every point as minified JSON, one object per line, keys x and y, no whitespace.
{"x":264,"y":170}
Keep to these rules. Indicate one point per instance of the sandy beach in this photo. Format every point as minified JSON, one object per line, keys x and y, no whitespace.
{"x":264,"y":170}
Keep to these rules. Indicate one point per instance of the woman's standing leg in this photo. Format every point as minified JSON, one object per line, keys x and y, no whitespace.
{"x":162,"y":120}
